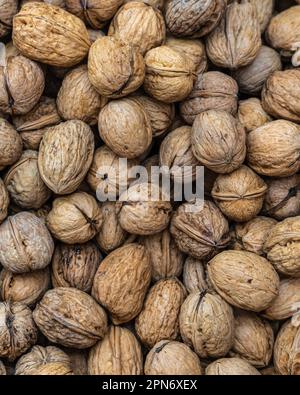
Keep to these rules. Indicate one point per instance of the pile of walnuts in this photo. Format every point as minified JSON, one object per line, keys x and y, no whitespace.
{"x":139,"y":286}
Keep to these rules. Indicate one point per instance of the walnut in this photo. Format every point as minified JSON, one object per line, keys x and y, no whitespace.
{"x":76,"y":218}
{"x":194,"y":276}
{"x":244,"y":279}
{"x":264,"y":10}
{"x":154,"y":3}
{"x":231,"y":367}
{"x":159,"y":318}
{"x":119,"y":353}
{"x":212,"y":91}
{"x":10,"y":144}
{"x":4,"y":201}
{"x":70,"y":317}
{"x":8,"y":9}
{"x":39,"y":27}
{"x":251,"y":114}
{"x":25,"y":243}
{"x":218,"y":141}
{"x":172,"y":357}
{"x":65,"y":155}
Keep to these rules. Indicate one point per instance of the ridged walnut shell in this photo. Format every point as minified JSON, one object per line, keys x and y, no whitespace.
{"x":4,"y":201}
{"x":50,"y":35}
{"x":119,"y":353}
{"x":231,"y":367}
{"x":10,"y":144}
{"x":251,"y":114}
{"x":194,"y":276}
{"x":121,"y":282}
{"x":8,"y":9}
{"x":70,"y":317}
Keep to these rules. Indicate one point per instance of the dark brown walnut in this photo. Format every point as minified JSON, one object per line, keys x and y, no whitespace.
{"x":125,"y":127}
{"x":39,"y":27}
{"x":282,"y":246}
{"x":78,"y":360}
{"x":251,"y":114}
{"x":115,"y":68}
{"x":251,"y":78}
{"x":172,"y":357}
{"x":119,"y":353}
{"x":76,"y":218}
{"x":193,"y":18}
{"x":24,"y":183}
{"x":218,"y":141}
{"x":25,"y":243}
{"x":253,"y":339}
{"x":282,"y":199}
{"x":121,"y":282}
{"x":10,"y":144}
{"x":2,"y":369}
{"x":138,"y":24}
{"x":231,"y":367}
{"x":75,"y":265}
{"x":26,"y":288}
{"x":169,"y":74}
{"x":251,"y":235}
{"x":8,"y":9}
{"x":194,"y":276}
{"x":159,"y":318}
{"x":65,"y":155}
{"x":17,"y":330}
{"x":286,"y":349}
{"x":274,"y":149}
{"x":240,"y":194}
{"x":4,"y":201}
{"x":70,"y":317}
{"x":200,"y":232}
{"x":244,"y":279}
{"x":166,"y":259}
{"x":235,"y":42}
{"x":44,"y":361}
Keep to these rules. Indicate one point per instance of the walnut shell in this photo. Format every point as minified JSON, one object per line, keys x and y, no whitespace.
{"x":169,"y":357}
{"x":10,"y":144}
{"x":70,"y":317}
{"x":17,"y":330}
{"x":8,"y":9}
{"x":121,"y":282}
{"x":65,"y":155}
{"x":25,"y":243}
{"x":251,"y":114}
{"x":115,"y":68}
{"x":231,"y":367}
{"x":159,"y":318}
{"x":200,"y":233}
{"x":76,"y":218}
{"x":218,"y":141}
{"x":244,"y":279}
{"x":39,"y":27}
{"x":4,"y":201}
{"x":264,"y":10}
{"x":194,"y":276}
{"x":2,"y":369}
{"x":273,"y":149}
{"x":119,"y":353}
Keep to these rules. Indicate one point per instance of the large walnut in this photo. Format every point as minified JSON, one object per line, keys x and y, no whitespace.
{"x":8,"y":9}
{"x":4,"y":201}
{"x":194,"y":275}
{"x":10,"y":144}
{"x":251,"y":114}
{"x":231,"y":367}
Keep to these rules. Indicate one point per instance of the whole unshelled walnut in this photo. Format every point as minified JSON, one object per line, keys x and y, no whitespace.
{"x":43,"y":361}
{"x":70,"y":317}
{"x":119,"y":353}
{"x":17,"y":330}
{"x":159,"y":318}
{"x":169,"y":74}
{"x":65,"y":155}
{"x":75,"y":218}
{"x":240,"y":194}
{"x":231,"y":367}
{"x":251,"y":114}
{"x":26,"y":288}
{"x":25,"y":243}
{"x":75,"y":265}
{"x":139,"y":24}
{"x":212,"y":91}
{"x":115,"y":68}
{"x":194,"y":276}
{"x":193,"y":18}
{"x":125,"y":127}
{"x":218,"y":141}
{"x":273,"y":149}
{"x":8,"y":9}
{"x":2,"y":369}
{"x":4,"y":201}
{"x":172,"y":357}
{"x":50,"y":35}
{"x":10,"y":144}
{"x":121,"y":282}
{"x":244,"y":279}
{"x":207,"y":324}
{"x":264,"y":10}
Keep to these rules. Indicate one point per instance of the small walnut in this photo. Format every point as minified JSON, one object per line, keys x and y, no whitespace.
{"x":10,"y":144}
{"x":231,"y":367}
{"x":2,"y":369}
{"x":70,"y":317}
{"x":159,"y":318}
{"x":119,"y":353}
{"x":76,"y":218}
{"x":218,"y":141}
{"x":194,"y":276}
{"x":244,"y":279}
{"x":25,"y":243}
{"x":121,"y":282}
{"x":17,"y":330}
{"x":4,"y":201}
{"x":39,"y":27}
{"x":212,"y":91}
{"x":169,"y":357}
{"x":251,"y":114}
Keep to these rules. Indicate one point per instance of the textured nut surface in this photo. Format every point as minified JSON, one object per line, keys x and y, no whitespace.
{"x":4,"y":201}
{"x":194,"y":275}
{"x":78,"y":360}
{"x":231,"y":367}
{"x":251,"y":114}
{"x":10,"y":144}
{"x":8,"y":8}
{"x":264,"y":10}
